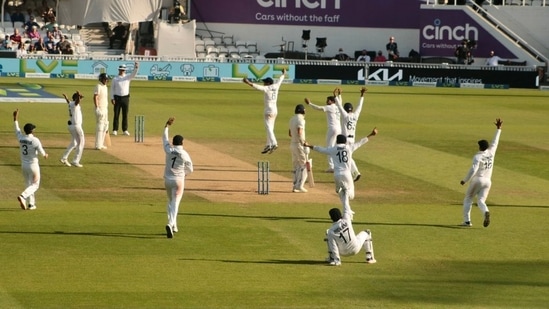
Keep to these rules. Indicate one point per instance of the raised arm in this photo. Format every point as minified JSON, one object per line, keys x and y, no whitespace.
{"x":312,"y":105}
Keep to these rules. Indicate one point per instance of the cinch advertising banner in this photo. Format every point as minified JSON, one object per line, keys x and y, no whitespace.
{"x":332,"y":13}
{"x":441,"y":31}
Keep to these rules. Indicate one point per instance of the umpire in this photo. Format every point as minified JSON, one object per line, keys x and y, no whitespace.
{"x":120,"y":97}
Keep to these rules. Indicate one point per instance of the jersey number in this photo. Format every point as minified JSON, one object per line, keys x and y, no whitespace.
{"x":345,"y":235}
{"x":342,"y":156}
{"x":173,"y":161}
{"x":25,"y":149}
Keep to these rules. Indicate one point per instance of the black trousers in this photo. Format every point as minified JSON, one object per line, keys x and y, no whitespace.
{"x":121,"y":103}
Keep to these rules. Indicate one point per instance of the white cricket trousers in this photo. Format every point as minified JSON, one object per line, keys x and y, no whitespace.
{"x":270,"y":119}
{"x":479,"y":187}
{"x":174,"y":190}
{"x":331,"y":136}
{"x":77,"y":142}
{"x":354,"y":168}
{"x":345,"y":188}
{"x":101,"y":126}
{"x":31,"y":175}
{"x":362,"y":240}
{"x":299,"y":162}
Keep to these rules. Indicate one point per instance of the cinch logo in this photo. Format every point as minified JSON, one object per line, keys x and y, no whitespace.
{"x":437,"y":31}
{"x":309,"y":4}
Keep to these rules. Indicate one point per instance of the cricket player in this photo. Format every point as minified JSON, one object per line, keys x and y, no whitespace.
{"x":270,"y":90}
{"x":349,"y":120}
{"x":178,"y":165}
{"x":480,"y":175}
{"x":75,"y":128}
{"x":101,"y":102}
{"x":298,"y":149}
{"x":29,"y":147}
{"x":342,"y":240}
{"x":341,"y":155}
{"x":333,"y":122}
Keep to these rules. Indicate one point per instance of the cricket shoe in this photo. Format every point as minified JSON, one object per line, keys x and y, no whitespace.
{"x":76,"y":164}
{"x":64,"y":161}
{"x":31,"y":207}
{"x":370,"y":258}
{"x":486,"y":219}
{"x":115,"y":133}
{"x":467,"y":224}
{"x":300,"y":190}
{"x":335,"y":263}
{"x":22,"y":202}
{"x":273,"y":148}
{"x":169,"y":231}
{"x":266,"y":149}
{"x":126,"y":133}
{"x":174,"y":229}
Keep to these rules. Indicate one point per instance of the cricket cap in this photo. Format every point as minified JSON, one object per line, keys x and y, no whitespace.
{"x":341,"y":139}
{"x":122,"y":67}
{"x":28,"y":128}
{"x":300,"y":109}
{"x":335,"y":214}
{"x":268,"y":81}
{"x":178,"y":140}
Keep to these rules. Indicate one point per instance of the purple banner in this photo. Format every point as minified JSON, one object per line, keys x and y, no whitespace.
{"x":443,"y":30}
{"x":332,"y":13}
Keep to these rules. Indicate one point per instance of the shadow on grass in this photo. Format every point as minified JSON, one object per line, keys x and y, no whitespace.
{"x":95,"y":234}
{"x":280,"y":262}
{"x":327,"y":221}
{"x":507,"y":206}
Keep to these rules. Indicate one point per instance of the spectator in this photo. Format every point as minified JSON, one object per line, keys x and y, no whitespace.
{"x":379,"y":57}
{"x":493,"y":60}
{"x":57,"y":34}
{"x":21,"y":50}
{"x":392,"y":49}
{"x":15,"y":38}
{"x":34,"y":34}
{"x":364,"y":56}
{"x":6,"y":43}
{"x":48,"y":15}
{"x":51,"y":44}
{"x":176,"y":12}
{"x":64,"y":46}
{"x":29,"y":25}
{"x":342,"y":56}
{"x":39,"y":45}
{"x":120,"y":33}
{"x":17,"y":16}
{"x":462,"y":52}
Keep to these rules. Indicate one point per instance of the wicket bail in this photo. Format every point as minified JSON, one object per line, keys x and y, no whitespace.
{"x":263,"y":177}
{"x":139,"y":128}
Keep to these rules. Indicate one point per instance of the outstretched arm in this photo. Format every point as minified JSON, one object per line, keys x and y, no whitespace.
{"x":312,"y":105}
{"x":66,"y":99}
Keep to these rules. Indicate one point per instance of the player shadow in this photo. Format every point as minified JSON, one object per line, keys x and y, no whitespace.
{"x":306,"y":219}
{"x":279,"y":262}
{"x":507,"y":206}
{"x":94,"y":234}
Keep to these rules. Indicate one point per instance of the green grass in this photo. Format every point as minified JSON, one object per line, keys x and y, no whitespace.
{"x":97,"y":239}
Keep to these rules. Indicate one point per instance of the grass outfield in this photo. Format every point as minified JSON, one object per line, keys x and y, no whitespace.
{"x":97,"y":239}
